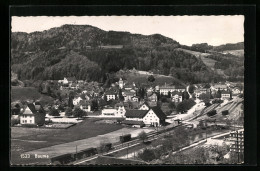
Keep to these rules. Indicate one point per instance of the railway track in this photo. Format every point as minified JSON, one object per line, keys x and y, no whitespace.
{"x":119,"y":147}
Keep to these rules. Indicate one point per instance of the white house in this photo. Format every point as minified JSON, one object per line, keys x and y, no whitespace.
{"x":154,"y":116}
{"x":176,"y":96}
{"x":225,"y":95}
{"x":69,"y":80}
{"x":144,"y":106}
{"x":33,"y":115}
{"x":119,"y":111}
{"x":135,"y":99}
{"x":110,"y":95}
{"x":76,"y":100}
{"x":128,"y":95}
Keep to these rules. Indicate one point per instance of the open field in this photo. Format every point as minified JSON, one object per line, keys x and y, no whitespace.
{"x":203,"y":56}
{"x":27,"y":139}
{"x":239,"y":53}
{"x":28,"y":93}
{"x":159,"y":79}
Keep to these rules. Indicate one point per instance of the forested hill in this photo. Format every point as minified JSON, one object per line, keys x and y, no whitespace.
{"x":89,"y":53}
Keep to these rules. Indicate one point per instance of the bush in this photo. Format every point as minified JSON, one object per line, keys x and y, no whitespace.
{"x":147,"y":155}
{"x":15,"y":121}
{"x":54,"y":112}
{"x":142,"y":136}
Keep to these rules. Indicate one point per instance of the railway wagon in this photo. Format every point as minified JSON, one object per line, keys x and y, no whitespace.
{"x":125,"y":138}
{"x":225,"y":112}
{"x":212,"y":113}
{"x":70,"y":157}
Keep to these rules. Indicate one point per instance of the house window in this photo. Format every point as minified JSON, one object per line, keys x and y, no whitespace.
{"x":30,"y":121}
{"x":25,"y":121}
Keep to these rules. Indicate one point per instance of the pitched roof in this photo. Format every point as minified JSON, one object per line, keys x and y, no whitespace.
{"x":129,"y":93}
{"x":225,"y":92}
{"x":31,"y":107}
{"x":176,"y":92}
{"x":135,"y":113}
{"x":158,"y":111}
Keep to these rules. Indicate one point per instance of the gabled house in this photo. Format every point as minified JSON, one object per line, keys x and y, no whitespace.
{"x":144,"y":106}
{"x":68,"y":80}
{"x":152,"y":117}
{"x":176,"y":96}
{"x":33,"y":115}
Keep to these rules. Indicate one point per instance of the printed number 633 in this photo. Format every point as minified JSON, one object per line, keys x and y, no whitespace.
{"x":25,"y":156}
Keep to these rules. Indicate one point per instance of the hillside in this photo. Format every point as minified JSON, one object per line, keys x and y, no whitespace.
{"x":89,"y":53}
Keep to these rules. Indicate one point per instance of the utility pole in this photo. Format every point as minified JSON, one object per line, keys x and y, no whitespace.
{"x":76,"y":152}
{"x":127,"y":150}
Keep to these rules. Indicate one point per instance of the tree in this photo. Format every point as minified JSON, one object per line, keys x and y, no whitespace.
{"x":94,"y":105}
{"x":185,"y":95}
{"x":169,"y":94}
{"x":121,"y":97}
{"x":54,"y":112}
{"x":171,"y":105}
{"x":147,"y":155}
{"x":78,"y":112}
{"x":191,"y":89}
{"x":205,"y":97}
{"x":180,"y":108}
{"x":142,"y":136}
{"x":68,"y":111}
{"x":151,"y":78}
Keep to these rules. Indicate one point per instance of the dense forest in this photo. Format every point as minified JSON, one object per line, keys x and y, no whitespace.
{"x":89,"y":53}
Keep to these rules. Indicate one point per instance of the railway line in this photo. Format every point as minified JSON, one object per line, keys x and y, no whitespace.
{"x":119,"y":147}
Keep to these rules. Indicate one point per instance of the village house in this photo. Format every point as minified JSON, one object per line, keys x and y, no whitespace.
{"x":117,"y":111}
{"x":144,"y":106}
{"x":176,"y":96}
{"x":68,"y":80}
{"x":128,"y":95}
{"x":151,"y":117}
{"x":135,"y":99}
{"x":76,"y":100}
{"x":225,"y":95}
{"x":110,"y":95}
{"x":74,"y":86}
{"x":165,"y":89}
{"x":236,"y":91}
{"x":221,"y":87}
{"x":85,"y":105}
{"x":33,"y":114}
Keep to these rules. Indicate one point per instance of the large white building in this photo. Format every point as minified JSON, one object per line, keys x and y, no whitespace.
{"x":154,"y":116}
{"x":118,"y":111}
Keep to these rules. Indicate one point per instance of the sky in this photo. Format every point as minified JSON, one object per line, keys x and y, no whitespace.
{"x":187,"y":30}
